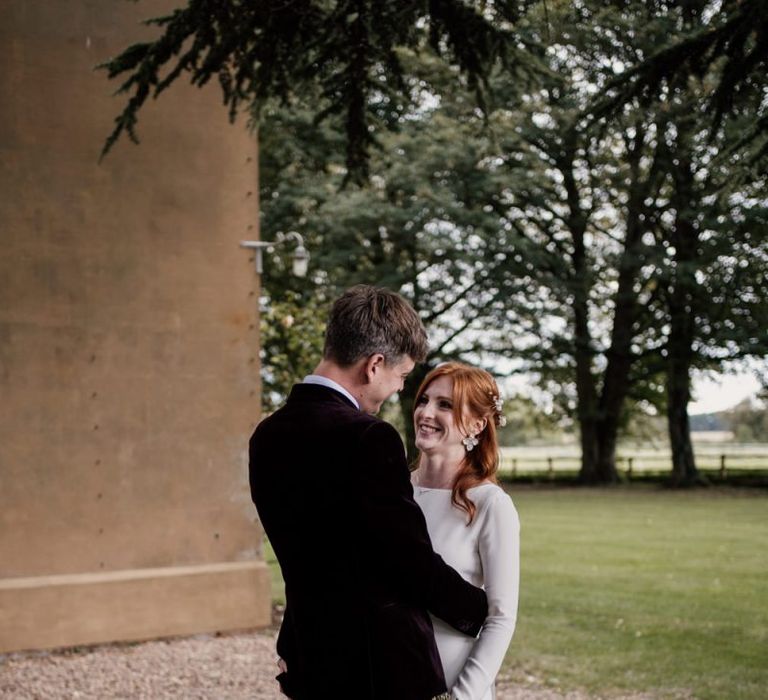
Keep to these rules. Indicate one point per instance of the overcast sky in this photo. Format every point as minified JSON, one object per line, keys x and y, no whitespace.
{"x":725,"y":391}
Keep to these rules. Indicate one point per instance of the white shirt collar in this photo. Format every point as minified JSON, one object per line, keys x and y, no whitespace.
{"x":324,"y":381}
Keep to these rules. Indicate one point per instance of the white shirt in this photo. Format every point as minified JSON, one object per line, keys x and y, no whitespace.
{"x":487,"y":554}
{"x":324,"y":381}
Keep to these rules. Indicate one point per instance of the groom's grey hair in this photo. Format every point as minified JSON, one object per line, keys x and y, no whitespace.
{"x":368,"y":320}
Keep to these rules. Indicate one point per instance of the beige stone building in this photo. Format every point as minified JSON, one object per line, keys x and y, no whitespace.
{"x":128,"y":346}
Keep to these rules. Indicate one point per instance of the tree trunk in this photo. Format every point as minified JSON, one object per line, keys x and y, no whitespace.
{"x":616,"y":383}
{"x":619,"y":355}
{"x":588,"y":473}
{"x":684,"y":471}
{"x":607,"y":435}
{"x":586,"y":390}
{"x":586,"y":402}
{"x":682,"y":298}
{"x":679,"y":359}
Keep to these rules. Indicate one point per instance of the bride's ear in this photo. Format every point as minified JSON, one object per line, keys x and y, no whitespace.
{"x":478,"y":425}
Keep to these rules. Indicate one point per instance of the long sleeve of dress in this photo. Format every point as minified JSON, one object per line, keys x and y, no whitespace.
{"x":397,"y":534}
{"x":499,"y":548}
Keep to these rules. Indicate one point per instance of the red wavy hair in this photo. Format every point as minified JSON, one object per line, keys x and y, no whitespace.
{"x":474,"y":393}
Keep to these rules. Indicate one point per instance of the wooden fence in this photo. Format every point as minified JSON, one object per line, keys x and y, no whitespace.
{"x":558,"y":461}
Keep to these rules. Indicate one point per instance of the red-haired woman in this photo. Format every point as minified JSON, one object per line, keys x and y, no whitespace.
{"x":472,"y":521}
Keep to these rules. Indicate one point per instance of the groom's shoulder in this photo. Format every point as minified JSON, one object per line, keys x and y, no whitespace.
{"x":335,"y":417}
{"x":381,"y":440}
{"x":369,"y":427}
{"x":367,"y":431}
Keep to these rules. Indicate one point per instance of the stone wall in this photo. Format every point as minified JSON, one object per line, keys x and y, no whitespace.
{"x":128,"y":345}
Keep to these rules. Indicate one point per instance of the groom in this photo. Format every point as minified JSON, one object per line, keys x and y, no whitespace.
{"x":331,"y":484}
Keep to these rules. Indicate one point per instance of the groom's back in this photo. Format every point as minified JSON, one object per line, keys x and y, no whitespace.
{"x":302,"y":470}
{"x":346,"y":627}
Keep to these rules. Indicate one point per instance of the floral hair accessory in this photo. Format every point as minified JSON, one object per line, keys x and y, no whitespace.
{"x":498,"y":405}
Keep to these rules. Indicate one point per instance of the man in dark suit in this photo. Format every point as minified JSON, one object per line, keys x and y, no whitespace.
{"x":332,"y":487}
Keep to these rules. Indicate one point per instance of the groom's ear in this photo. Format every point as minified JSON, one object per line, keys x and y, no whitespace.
{"x":372,"y":366}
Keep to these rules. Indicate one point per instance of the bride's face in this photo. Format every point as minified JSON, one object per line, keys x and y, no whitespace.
{"x":433,"y":421}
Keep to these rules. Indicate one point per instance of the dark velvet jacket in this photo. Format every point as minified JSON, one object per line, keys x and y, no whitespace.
{"x":332,"y":488}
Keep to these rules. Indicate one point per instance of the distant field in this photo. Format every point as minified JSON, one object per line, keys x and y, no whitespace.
{"x":637,"y":458}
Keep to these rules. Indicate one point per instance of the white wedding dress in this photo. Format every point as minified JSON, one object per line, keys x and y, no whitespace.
{"x":486,"y":553}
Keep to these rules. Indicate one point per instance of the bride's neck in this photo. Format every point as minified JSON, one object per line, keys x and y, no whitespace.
{"x":437,"y":471}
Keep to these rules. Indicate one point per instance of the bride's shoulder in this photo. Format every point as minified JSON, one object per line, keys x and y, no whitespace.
{"x":493,"y":497}
{"x":488,"y":491}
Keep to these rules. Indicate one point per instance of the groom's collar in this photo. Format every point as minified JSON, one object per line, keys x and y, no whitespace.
{"x":324,"y":381}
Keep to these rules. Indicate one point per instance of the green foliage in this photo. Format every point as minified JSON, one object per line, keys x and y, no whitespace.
{"x":650,"y":213}
{"x":748,"y":421}
{"x":345,"y":50}
{"x":528,"y":423}
{"x":529,"y":242}
{"x":600,"y":221}
{"x":291,"y":344}
{"x":422,"y":226}
{"x":728,"y":39}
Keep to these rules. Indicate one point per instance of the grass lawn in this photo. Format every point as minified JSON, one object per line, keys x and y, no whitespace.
{"x":641,"y":589}
{"x":644,"y":589}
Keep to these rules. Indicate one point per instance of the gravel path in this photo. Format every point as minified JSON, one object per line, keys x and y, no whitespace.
{"x":226,"y":667}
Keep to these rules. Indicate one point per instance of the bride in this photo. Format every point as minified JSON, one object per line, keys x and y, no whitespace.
{"x":472,"y":522}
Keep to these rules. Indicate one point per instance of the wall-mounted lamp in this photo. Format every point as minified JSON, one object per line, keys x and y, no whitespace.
{"x":300,"y":254}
